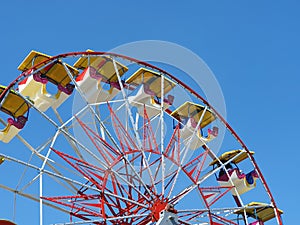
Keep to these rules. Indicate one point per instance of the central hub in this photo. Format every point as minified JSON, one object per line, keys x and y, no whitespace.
{"x":157,"y":207}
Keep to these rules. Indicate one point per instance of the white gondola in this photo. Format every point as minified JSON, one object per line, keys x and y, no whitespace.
{"x":189,"y":114}
{"x":36,"y":90}
{"x":149,"y":94}
{"x":99,"y":81}
{"x":241,"y":181}
{"x":35,"y":86}
{"x":198,"y":140}
{"x":147,"y":99}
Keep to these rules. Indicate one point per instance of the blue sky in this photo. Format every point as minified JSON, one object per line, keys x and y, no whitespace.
{"x":251,"y":46}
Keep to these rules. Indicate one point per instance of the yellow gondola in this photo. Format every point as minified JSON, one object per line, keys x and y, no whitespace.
{"x":99,"y":69}
{"x":153,"y":81}
{"x":189,"y":114}
{"x":237,"y":156}
{"x":150,"y":91}
{"x":242,"y":182}
{"x":15,"y":106}
{"x":34,"y":86}
{"x":192,"y":110}
{"x":55,"y":72}
{"x":262,"y":212}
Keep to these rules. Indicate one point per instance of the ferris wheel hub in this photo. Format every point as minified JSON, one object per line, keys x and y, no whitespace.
{"x":157,"y":207}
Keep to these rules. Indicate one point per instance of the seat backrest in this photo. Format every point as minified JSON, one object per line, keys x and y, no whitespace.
{"x":19,"y":123}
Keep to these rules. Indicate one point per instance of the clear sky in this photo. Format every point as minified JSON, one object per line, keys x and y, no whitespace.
{"x":251,"y":46}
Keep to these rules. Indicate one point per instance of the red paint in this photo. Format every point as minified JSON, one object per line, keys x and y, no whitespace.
{"x":6,"y":222}
{"x":157,"y":207}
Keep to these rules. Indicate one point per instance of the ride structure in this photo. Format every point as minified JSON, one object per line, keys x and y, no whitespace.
{"x":113,"y":140}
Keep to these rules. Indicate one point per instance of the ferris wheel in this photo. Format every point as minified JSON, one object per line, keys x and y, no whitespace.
{"x":103,"y":138}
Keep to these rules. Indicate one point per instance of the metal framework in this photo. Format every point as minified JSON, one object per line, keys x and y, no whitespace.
{"x":125,"y":159}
